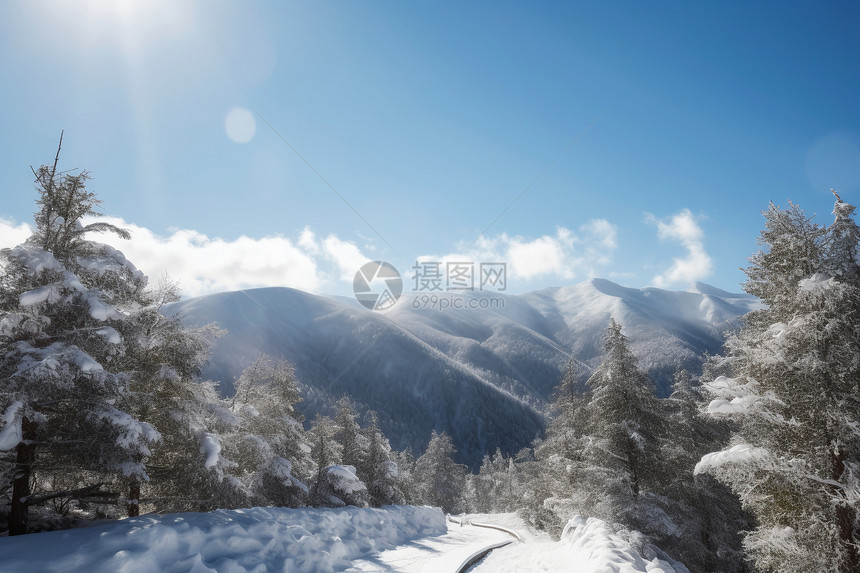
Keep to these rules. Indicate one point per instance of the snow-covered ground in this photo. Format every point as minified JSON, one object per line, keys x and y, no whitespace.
{"x":404,"y":539}
{"x":223,"y":541}
{"x":586,"y":546}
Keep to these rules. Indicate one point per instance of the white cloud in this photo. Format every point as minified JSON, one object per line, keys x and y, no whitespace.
{"x":346,"y":255}
{"x":204,"y":264}
{"x":12,"y":234}
{"x":542,"y":256}
{"x":696,"y":265}
{"x":565,"y":255}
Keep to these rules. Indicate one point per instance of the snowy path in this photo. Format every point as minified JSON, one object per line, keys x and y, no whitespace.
{"x":538,"y":556}
{"x":442,"y":554}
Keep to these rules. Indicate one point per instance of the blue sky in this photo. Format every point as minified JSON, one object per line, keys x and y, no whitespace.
{"x":431,"y":119}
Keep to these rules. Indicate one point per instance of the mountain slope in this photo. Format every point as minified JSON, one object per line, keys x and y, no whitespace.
{"x":338,"y":349}
{"x":667,"y":330}
{"x":482,"y":375}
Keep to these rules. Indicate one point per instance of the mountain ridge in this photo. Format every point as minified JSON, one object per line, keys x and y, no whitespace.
{"x":485,"y":376}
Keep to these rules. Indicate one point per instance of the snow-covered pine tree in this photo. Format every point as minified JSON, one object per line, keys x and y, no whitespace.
{"x":707,"y":516}
{"x":378,"y":467}
{"x":325,"y":453}
{"x":480,"y":487}
{"x":63,"y":302}
{"x":791,"y":252}
{"x":548,"y":501}
{"x":621,"y":443}
{"x":268,"y":444}
{"x":348,"y":434}
{"x":189,"y":466}
{"x":162,"y":359}
{"x":794,"y":393}
{"x":405,"y":479}
{"x":842,"y":259}
{"x":439,"y":480}
{"x":568,"y":416}
{"x":494,"y":486}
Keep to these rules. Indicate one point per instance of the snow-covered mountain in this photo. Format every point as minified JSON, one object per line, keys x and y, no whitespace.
{"x":483,"y":375}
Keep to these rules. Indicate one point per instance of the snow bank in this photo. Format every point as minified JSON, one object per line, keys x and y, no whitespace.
{"x":607,"y":551}
{"x":234,"y":541}
{"x":586,"y":546}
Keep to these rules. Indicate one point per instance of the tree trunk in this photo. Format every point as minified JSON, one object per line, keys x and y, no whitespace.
{"x":633,"y":465}
{"x":25,"y":456}
{"x":845,"y":517}
{"x":845,"y":520}
{"x":133,"y":503}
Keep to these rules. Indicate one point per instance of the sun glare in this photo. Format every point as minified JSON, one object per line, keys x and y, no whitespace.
{"x":122,"y":17}
{"x":124,"y":9}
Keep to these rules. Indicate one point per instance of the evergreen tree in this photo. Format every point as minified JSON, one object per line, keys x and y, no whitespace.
{"x":162,"y":362}
{"x":325,"y":453}
{"x":603,"y":447}
{"x":95,"y":379}
{"x":791,"y":252}
{"x":706,"y":516}
{"x":794,"y":396}
{"x":267,"y":443}
{"x":405,"y":479}
{"x":348,"y":434}
{"x":64,"y":301}
{"x":439,"y":480}
{"x":378,"y":468}
{"x":568,"y":416}
{"x":494,"y":486}
{"x":553,"y":478}
{"x":623,"y":424}
{"x":842,"y":244}
{"x":481,"y":487}
{"x":190,"y":471}
{"x":545,"y":500}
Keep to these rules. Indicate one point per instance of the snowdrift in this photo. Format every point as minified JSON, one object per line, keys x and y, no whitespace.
{"x":226,"y":541}
{"x":586,"y":546}
{"x":609,"y":551}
